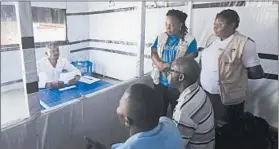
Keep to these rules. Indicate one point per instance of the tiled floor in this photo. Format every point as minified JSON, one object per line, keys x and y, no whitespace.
{"x":14,"y":107}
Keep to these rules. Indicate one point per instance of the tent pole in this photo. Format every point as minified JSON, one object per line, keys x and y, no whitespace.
{"x":28,"y":56}
{"x":141,"y":42}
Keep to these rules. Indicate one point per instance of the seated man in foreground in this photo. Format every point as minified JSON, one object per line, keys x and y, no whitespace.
{"x":54,"y":71}
{"x":193,"y":114}
{"x":139,"y":110}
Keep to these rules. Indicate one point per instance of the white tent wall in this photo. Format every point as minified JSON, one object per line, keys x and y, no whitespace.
{"x":65,"y":126}
{"x":110,"y":44}
{"x":77,"y":31}
{"x":114,"y":37}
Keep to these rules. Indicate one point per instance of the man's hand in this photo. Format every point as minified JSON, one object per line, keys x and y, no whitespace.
{"x":163,"y":66}
{"x":90,"y":144}
{"x":60,"y":84}
{"x":157,"y":61}
{"x":56,"y":85}
{"x":74,"y":80}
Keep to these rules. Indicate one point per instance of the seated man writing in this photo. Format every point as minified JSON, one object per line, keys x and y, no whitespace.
{"x":139,"y":110}
{"x":54,"y":71}
{"x":193,"y":115}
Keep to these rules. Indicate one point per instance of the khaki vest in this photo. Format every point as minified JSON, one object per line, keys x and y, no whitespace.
{"x":182,"y":48}
{"x":233,"y":76}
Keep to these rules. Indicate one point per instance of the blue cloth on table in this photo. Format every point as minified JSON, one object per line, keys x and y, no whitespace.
{"x":54,"y":97}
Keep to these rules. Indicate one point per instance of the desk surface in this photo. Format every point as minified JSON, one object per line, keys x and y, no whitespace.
{"x":54,"y":97}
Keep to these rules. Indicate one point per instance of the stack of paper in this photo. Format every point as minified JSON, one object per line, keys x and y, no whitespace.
{"x":66,"y":77}
{"x":66,"y":88}
{"x":88,"y":79}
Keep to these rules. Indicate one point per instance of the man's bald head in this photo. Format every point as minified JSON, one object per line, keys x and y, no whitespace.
{"x":184,"y":66}
{"x":142,"y":105}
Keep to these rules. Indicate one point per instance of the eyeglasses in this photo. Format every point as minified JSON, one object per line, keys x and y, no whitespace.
{"x":168,"y":71}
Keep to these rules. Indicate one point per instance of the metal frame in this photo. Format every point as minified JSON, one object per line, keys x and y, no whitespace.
{"x":28,"y":59}
{"x":189,"y":4}
{"x":141,"y":42}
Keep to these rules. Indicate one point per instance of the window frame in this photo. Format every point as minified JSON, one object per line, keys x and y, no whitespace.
{"x":11,"y":47}
{"x":15,"y":46}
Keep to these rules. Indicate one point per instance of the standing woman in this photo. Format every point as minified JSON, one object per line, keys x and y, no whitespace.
{"x":228,"y":61}
{"x":168,"y":46}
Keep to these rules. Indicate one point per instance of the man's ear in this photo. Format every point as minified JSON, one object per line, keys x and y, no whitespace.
{"x":181,"y":77}
{"x":128,"y":122}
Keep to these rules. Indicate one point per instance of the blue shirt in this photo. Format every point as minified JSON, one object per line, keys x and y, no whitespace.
{"x":164,"y":136}
{"x":169,"y":53}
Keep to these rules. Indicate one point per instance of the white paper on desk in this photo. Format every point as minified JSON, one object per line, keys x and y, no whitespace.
{"x":88,"y":80}
{"x":67,"y":88}
{"x":67,"y":76}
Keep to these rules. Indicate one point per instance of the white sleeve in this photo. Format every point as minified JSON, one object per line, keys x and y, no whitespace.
{"x":70,"y":68}
{"x":250,"y":56}
{"x":42,"y":80}
{"x":42,"y":76}
{"x":72,"y":72}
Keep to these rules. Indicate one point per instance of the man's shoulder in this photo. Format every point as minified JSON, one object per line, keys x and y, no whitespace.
{"x":250,"y":44}
{"x":196,"y":96}
{"x":169,"y":126}
{"x":63,"y":59}
{"x":192,"y":91}
{"x":42,"y":60}
{"x":200,"y":95}
{"x":166,"y":130}
{"x":166,"y":121}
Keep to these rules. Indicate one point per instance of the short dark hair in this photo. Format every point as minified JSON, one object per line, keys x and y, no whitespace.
{"x":144,"y":106}
{"x":52,"y":45}
{"x":179,"y":14}
{"x":230,"y":16}
{"x":181,"y":17}
{"x":189,"y":67}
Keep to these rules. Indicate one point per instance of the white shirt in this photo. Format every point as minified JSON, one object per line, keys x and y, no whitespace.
{"x":47,"y":73}
{"x":209,"y":62}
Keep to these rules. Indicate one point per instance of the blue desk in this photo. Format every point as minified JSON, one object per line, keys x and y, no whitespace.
{"x":54,"y":97}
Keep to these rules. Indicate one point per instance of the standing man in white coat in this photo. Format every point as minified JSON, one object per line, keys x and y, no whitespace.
{"x":54,"y":71}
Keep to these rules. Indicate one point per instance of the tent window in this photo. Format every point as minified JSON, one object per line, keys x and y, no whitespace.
{"x":49,"y":24}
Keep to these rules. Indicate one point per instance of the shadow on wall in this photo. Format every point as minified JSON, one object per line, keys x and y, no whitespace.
{"x":263,"y":101}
